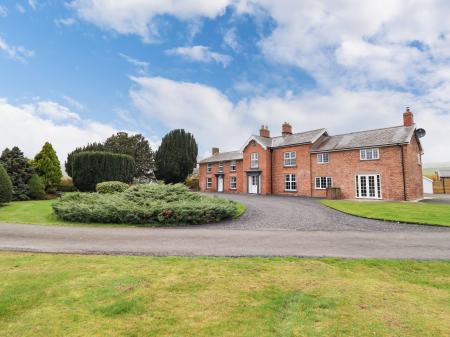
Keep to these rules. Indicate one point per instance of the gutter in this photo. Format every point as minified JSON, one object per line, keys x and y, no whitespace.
{"x":271,"y":169}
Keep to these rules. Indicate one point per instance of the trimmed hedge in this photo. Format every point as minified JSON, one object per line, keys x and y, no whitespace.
{"x":145,"y":204}
{"x":6,"y":187}
{"x":111,"y":187}
{"x":91,"y":168}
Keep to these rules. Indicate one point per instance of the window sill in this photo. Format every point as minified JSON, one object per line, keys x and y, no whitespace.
{"x":368,"y":159}
{"x":323,"y":163}
{"x":289,"y":166}
{"x":290,"y":191}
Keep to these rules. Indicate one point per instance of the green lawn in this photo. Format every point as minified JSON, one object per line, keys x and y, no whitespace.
{"x":412,"y":212}
{"x":69,"y":295}
{"x":40,"y":213}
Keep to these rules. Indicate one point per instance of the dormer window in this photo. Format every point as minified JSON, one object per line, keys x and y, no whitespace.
{"x":369,"y":154}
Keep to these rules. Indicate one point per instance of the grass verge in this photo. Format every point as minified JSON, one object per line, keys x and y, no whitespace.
{"x":70,"y":295}
{"x":40,"y":212}
{"x":409,"y":212}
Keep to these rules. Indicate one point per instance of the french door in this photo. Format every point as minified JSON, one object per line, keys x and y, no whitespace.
{"x":368,"y":186}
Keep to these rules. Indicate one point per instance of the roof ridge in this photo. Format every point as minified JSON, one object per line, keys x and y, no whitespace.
{"x":351,"y":133}
{"x":292,"y":134}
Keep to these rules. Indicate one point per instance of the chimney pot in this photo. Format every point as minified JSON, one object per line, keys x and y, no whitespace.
{"x":408,"y":117}
{"x":215,"y":150}
{"x":264,"y":131}
{"x":286,"y":129}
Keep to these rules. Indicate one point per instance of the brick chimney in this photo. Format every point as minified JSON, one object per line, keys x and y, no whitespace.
{"x":264,"y":131}
{"x":215,"y":150}
{"x":286,"y":129}
{"x":408,"y":117}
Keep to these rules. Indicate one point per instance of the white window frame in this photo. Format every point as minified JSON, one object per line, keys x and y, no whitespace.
{"x":322,"y":156}
{"x":290,"y":182}
{"x":220,"y":168}
{"x":419,"y":159}
{"x":208,"y":183}
{"x":369,"y":154}
{"x":322,"y":183}
{"x":254,"y":160}
{"x":209,"y":168}
{"x":233,"y":166}
{"x":290,"y":158}
{"x":233,"y":182}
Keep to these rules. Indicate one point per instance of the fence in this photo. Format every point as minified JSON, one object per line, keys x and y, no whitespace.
{"x":441,"y":186}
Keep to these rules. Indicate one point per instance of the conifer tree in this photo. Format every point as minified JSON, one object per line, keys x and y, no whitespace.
{"x":5,"y":186}
{"x":47,"y":166}
{"x":176,"y":158}
{"x":19,"y":170}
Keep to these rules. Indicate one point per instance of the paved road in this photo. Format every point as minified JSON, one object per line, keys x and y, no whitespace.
{"x":224,"y":242}
{"x":272,"y":226}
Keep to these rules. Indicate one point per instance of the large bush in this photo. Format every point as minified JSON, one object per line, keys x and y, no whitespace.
{"x":36,"y":187}
{"x":19,"y":170}
{"x":94,"y":147}
{"x":6,"y":188}
{"x":111,"y":187}
{"x":145,"y":204}
{"x":91,"y":168}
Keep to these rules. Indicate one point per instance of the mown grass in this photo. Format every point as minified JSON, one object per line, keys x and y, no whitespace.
{"x":65,"y":295}
{"x":410,"y":212}
{"x":40,"y":212}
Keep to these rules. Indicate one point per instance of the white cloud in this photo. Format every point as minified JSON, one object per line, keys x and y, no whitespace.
{"x":28,"y":127}
{"x":137,"y":16}
{"x":200,"y":109}
{"x":230,"y":39}
{"x":73,"y":102}
{"x":17,"y":53}
{"x":52,"y":111}
{"x":65,"y":22}
{"x":200,"y":54}
{"x":141,"y":66}
{"x":32,"y":4}
{"x":3,"y":11}
{"x":20,"y":8}
{"x":216,"y":121}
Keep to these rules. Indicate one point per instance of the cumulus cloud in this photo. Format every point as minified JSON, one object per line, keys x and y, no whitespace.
{"x":200,"y":54}
{"x":17,"y":53}
{"x":30,"y":126}
{"x":217,"y":121}
{"x":137,"y":16}
{"x":141,"y":66}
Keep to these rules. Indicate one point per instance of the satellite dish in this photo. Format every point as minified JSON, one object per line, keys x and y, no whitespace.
{"x":421,"y":133}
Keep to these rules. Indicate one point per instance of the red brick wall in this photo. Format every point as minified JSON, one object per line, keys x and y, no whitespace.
{"x":302,"y":170}
{"x":202,"y":175}
{"x":264,"y":165}
{"x":413,"y":171}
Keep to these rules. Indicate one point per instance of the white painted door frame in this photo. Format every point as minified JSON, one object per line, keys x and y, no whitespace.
{"x":219,"y":183}
{"x":368,"y":186}
{"x":253,"y":184}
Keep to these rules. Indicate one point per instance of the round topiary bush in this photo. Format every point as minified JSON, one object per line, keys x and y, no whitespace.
{"x":111,"y":187}
{"x":145,"y":204}
{"x":6,"y":188}
{"x":91,"y":168}
{"x":37,"y":187}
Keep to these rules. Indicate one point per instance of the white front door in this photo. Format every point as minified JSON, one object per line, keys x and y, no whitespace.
{"x":253,"y":183}
{"x":220,"y":184}
{"x":368,"y":186}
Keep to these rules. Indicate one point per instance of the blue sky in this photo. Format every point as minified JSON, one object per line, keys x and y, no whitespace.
{"x":77,"y":71}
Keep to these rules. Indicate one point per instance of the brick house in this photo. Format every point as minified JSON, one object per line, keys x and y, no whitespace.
{"x":374,"y":164}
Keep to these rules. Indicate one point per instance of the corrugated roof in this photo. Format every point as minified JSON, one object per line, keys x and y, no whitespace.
{"x":370,"y":138}
{"x":224,"y":156}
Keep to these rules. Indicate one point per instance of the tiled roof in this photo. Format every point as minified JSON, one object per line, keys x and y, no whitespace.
{"x":295,"y":138}
{"x":380,"y":137}
{"x":224,"y":156}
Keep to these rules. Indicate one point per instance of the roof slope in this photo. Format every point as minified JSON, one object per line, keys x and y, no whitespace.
{"x":443,"y":173}
{"x":293,"y":139}
{"x":379,"y":137}
{"x":224,"y":156}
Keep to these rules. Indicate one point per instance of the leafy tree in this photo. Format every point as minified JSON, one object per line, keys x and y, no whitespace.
{"x":91,"y":168}
{"x":6,"y":188}
{"x":47,"y":166}
{"x":96,"y":147}
{"x":137,"y":147}
{"x":37,"y":187}
{"x":19,"y":170}
{"x":176,"y":157}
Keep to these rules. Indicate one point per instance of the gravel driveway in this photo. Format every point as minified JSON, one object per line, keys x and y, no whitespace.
{"x":306,"y":214}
